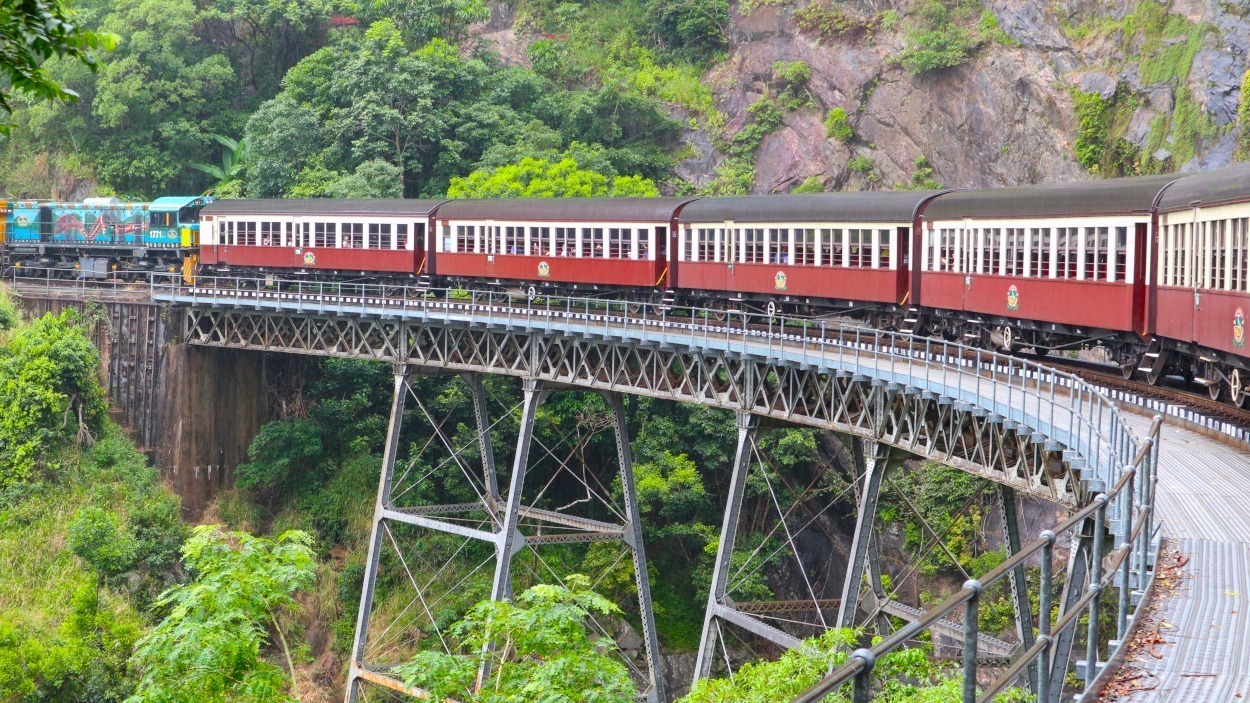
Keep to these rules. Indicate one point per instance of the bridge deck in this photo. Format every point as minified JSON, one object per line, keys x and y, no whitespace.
{"x":1204,"y":503}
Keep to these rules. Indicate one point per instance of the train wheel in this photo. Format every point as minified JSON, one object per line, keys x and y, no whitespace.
{"x":1154,"y":377}
{"x":1216,"y":391}
{"x":1126,"y":371}
{"x":1236,"y":389}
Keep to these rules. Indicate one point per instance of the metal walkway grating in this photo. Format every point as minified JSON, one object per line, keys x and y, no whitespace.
{"x":1204,"y":503}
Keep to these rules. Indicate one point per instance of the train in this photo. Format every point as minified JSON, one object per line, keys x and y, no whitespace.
{"x":1152,"y":269}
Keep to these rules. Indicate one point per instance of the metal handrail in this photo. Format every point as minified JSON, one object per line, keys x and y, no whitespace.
{"x":860,"y":665}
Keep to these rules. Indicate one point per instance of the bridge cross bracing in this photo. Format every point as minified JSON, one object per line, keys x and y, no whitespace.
{"x":1019,"y":424}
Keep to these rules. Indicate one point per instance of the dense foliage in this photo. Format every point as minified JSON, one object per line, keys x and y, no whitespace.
{"x":537,"y":649}
{"x":33,"y":31}
{"x":209,"y":647}
{"x":49,"y":395}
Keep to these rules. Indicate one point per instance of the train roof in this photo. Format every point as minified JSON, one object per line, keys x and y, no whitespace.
{"x":1225,"y":185}
{"x":1115,"y":196}
{"x":564,"y":209}
{"x":324,"y":206}
{"x":866,"y":206}
{"x":176,"y":202}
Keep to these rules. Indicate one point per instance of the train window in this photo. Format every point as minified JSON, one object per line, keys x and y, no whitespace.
{"x":270,"y":233}
{"x":401,"y":236}
{"x":592,"y":242}
{"x":353,"y":235}
{"x":753,"y":240}
{"x":805,"y":247}
{"x":704,"y":245}
{"x":824,"y":248}
{"x":323,"y":234}
{"x":461,"y":243}
{"x":644,"y":245}
{"x":564,"y":241}
{"x":1216,"y":248}
{"x":512,"y":240}
{"x":884,"y":241}
{"x":778,"y":246}
{"x":1240,"y":254}
{"x":615,"y":242}
{"x":379,"y":238}
{"x":854,"y":246}
{"x":1121,"y":255}
{"x":247,"y":234}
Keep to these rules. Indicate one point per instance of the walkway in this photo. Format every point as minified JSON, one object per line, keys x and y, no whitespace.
{"x":1204,"y":502}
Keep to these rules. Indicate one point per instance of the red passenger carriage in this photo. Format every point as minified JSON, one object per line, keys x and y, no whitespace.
{"x":1202,"y":297}
{"x":319,"y":237}
{"x":594,"y":243}
{"x":1042,"y":266}
{"x":845,"y":249}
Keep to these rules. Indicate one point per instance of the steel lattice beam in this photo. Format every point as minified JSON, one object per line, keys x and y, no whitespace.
{"x":922,"y":423}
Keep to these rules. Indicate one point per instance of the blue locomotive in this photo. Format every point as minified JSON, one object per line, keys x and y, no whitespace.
{"x":103,"y":237}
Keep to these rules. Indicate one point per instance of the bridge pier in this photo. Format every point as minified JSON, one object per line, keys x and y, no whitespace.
{"x":507,"y":522}
{"x":871,"y":460}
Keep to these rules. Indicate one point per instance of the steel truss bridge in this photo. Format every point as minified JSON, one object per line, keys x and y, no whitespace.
{"x":1027,"y":428}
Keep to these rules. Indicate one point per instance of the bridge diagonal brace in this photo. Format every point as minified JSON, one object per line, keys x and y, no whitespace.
{"x":1019,"y":585}
{"x":1073,"y":590}
{"x":748,"y":425}
{"x":632,"y":534}
{"x":871,"y":459}
{"x":357,"y":663}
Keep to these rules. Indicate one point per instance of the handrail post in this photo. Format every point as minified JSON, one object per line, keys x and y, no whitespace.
{"x":971,"y":610}
{"x":1043,"y":617}
{"x":862,"y":692}
{"x":1126,"y":543}
{"x":1095,"y":584}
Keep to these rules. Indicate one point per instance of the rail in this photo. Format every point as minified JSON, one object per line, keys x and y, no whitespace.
{"x":1117,"y":470}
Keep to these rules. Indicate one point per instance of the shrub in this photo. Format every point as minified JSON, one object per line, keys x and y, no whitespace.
{"x":1093,"y":115}
{"x":837,"y":125}
{"x":10,"y":316}
{"x":821,"y":19}
{"x":694,"y":24}
{"x":50,"y":373}
{"x":861,"y":164}
{"x":939,"y":36}
{"x":813,"y":184}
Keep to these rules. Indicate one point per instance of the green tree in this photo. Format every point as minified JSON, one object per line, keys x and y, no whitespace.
{"x":1243,"y":119}
{"x":210,"y":645}
{"x":539,"y":178}
{"x":33,"y":31}
{"x":97,"y":538}
{"x":233,"y":158}
{"x":423,"y":20}
{"x":700,"y":25}
{"x":280,"y":452}
{"x":538,"y":650}
{"x":49,"y":376}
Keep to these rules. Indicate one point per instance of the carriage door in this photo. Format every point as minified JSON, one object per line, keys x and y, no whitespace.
{"x":1140,"y":276}
{"x":901,"y":261}
{"x":665,"y":248}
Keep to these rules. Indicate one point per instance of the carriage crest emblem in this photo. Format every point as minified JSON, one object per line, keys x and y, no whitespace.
{"x":1013,"y":298}
{"x":1239,"y":328}
{"x":779,"y":281}
{"x":310,"y":259}
{"x":22,"y":220}
{"x":544,"y":269}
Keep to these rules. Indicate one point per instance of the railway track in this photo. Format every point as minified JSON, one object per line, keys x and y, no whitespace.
{"x":1168,"y":398}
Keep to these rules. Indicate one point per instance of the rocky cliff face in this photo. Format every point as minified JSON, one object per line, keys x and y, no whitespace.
{"x":1167,"y":76}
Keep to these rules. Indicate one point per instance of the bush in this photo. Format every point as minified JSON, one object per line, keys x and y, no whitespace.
{"x":1093,"y":115}
{"x":822,"y":19}
{"x":940,"y":36}
{"x":861,"y":164}
{"x":698,"y":25}
{"x":50,"y":373}
{"x":10,"y":316}
{"x":813,"y":184}
{"x":838,"y":126}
